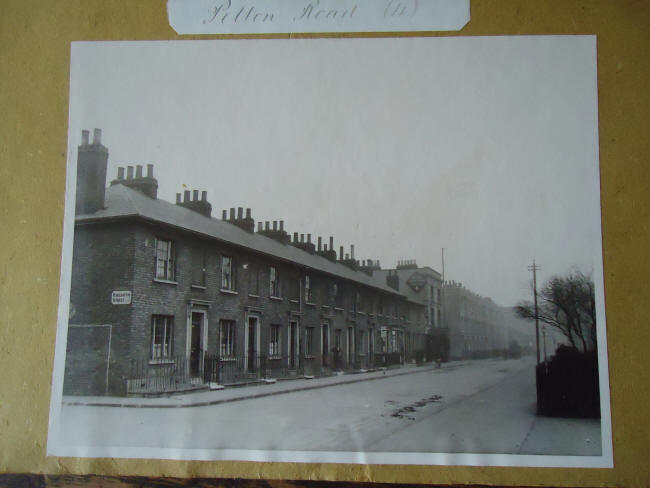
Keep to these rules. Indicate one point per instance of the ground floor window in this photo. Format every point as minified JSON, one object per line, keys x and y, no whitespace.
{"x":274,"y":340}
{"x":227,"y":341}
{"x":161,"y":336}
{"x":384,"y":339}
{"x":309,"y":341}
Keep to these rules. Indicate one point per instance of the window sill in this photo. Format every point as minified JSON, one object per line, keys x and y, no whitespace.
{"x":227,"y":360}
{"x":251,"y":295}
{"x":310,"y":304}
{"x":338,"y":309}
{"x":228,"y":292}
{"x":294,"y":301}
{"x":276,"y":299}
{"x":325,"y":306}
{"x":310,"y":356}
{"x":362,"y":313}
{"x":167,"y":282}
{"x":274,"y":358}
{"x":161,"y":361}
{"x":198,"y":287}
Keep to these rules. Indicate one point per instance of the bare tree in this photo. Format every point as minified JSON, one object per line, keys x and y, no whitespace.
{"x":567,"y":303}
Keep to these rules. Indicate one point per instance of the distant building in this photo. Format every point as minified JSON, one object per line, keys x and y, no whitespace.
{"x":478,"y":327}
{"x":420,"y":284}
{"x":164,"y":297}
{"x":423,"y":285}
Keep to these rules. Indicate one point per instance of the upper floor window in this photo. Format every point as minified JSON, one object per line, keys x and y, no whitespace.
{"x":274,"y":282}
{"x":308,"y":293}
{"x":164,"y":260}
{"x":162,"y":327}
{"x":227,"y":273}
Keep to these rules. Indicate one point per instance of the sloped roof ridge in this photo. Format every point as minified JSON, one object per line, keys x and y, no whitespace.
{"x":123,"y":201}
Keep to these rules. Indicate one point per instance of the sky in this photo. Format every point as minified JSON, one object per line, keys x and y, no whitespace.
{"x":486,"y":147}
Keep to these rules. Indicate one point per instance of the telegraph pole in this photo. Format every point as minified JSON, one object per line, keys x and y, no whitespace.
{"x":534,"y":268}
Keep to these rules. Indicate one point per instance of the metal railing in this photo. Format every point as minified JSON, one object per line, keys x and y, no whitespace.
{"x":161,"y":375}
{"x":180,"y":373}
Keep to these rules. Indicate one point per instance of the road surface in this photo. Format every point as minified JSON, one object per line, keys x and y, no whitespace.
{"x":485,"y":406}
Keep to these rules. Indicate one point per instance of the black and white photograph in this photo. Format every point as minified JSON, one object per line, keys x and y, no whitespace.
{"x":350,"y":250}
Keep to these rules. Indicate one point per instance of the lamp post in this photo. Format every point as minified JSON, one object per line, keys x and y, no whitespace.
{"x":534,"y":269}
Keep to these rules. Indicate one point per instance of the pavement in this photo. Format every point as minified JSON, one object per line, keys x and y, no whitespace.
{"x":232,"y":394}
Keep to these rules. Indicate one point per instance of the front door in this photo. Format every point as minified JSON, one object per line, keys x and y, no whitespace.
{"x":195,"y":344}
{"x":293,"y":344}
{"x":252,"y":344}
{"x":350,"y":346}
{"x":324,"y":344}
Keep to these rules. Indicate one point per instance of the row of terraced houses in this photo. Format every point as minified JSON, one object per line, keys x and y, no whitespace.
{"x":165,"y":297}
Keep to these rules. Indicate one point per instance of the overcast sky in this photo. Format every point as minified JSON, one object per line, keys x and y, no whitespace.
{"x":484,"y":146}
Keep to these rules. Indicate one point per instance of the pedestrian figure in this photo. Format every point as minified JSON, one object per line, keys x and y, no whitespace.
{"x":438,"y":361}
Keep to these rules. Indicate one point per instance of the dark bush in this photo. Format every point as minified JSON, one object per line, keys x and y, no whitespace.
{"x":567,"y":385}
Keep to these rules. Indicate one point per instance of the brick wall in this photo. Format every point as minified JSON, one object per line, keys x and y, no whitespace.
{"x":121,"y":256}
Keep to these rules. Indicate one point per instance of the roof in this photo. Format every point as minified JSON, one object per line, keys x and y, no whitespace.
{"x":124,"y":202}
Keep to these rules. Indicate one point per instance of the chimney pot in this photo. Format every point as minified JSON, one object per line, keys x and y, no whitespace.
{"x":309,"y":238}
{"x":295,"y":237}
{"x":97,"y":136}
{"x":331,"y":243}
{"x":259,"y":227}
{"x":195,"y":195}
{"x":150,"y":171}
{"x":275,"y":225}
{"x":178,"y":198}
{"x":302,"y":237}
{"x":282,"y":226}
{"x":120,"y":173}
{"x":204,"y":196}
{"x":240,"y":213}
{"x":186,"y":196}
{"x":320,"y":243}
{"x":341,"y":253}
{"x":138,"y":171}
{"x":267,"y":225}
{"x":325,"y":248}
{"x":224,"y":215}
{"x":232,"y":213}
{"x":84,"y":137}
{"x":248,"y":213}
{"x":129,"y":172}
{"x":352,"y":251}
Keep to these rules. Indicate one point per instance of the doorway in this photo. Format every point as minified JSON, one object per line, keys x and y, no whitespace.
{"x":325,"y":334}
{"x":293,"y":344}
{"x":196,"y":350}
{"x":252,"y":348}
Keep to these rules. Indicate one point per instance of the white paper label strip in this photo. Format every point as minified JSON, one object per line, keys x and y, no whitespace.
{"x":289,"y":16}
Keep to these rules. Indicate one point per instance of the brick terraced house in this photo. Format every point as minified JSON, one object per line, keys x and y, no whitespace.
{"x":165,"y":298}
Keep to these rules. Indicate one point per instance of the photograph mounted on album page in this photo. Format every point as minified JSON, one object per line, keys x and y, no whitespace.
{"x":382,"y":251}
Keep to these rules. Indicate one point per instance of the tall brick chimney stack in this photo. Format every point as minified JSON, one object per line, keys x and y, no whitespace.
{"x":246,"y":223}
{"x":146,"y":184}
{"x":192,"y":201}
{"x":92,"y":161}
